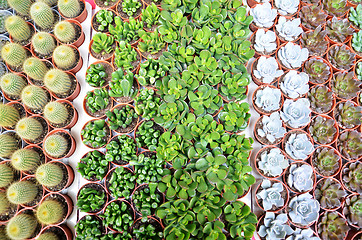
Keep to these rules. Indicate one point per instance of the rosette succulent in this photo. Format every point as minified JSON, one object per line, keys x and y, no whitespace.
{"x":353,"y":210}
{"x":271,"y":128}
{"x":305,"y":234}
{"x":323,"y":130}
{"x":317,"y":70}
{"x":272,"y":195}
{"x":335,"y":7}
{"x":355,"y":15}
{"x":321,"y":99}
{"x":315,"y":41}
{"x":292,"y":55}
{"x":352,"y":177}
{"x":300,"y":177}
{"x":268,"y":99}
{"x":294,"y":84}
{"x":303,"y":209}
{"x":357,"y":42}
{"x":297,"y":113}
{"x":275,"y":227}
{"x":329,"y":193}
{"x":298,"y":146}
{"x":332,"y":226}
{"x":263,"y":15}
{"x":287,"y":7}
{"x":312,"y":16}
{"x":350,"y":144}
{"x":326,"y":161}
{"x":348,"y":114}
{"x":341,"y":57}
{"x":289,"y":30}
{"x":344,"y":85}
{"x":272,"y":162}
{"x":338,"y":29}
{"x":265,"y":41}
{"x":267,"y":69}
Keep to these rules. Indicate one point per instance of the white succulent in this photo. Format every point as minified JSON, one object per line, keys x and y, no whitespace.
{"x":303,"y":209}
{"x":271,"y":194}
{"x":305,"y":234}
{"x":289,"y":30}
{"x":267,"y":69}
{"x":268,"y":99}
{"x":263,"y":15}
{"x":275,"y":227}
{"x":295,"y":84}
{"x":292,"y":55}
{"x":286,"y":7}
{"x":296,"y":113}
{"x":262,"y":1}
{"x":300,"y":177}
{"x":298,"y":146}
{"x":272,"y":127}
{"x":265,"y":41}
{"x":273,"y":162}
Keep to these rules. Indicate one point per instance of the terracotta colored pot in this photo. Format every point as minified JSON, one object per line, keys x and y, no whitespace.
{"x":95,"y":180}
{"x":77,"y":66}
{"x":335,"y":68}
{"x":45,"y":131}
{"x":256,"y":80}
{"x":281,"y":64}
{"x":342,"y":200}
{"x":357,"y":236}
{"x":66,"y":199}
{"x":107,"y":137}
{"x":331,"y":86}
{"x":318,"y":172}
{"x":95,"y":115}
{"x":72,"y":95}
{"x":74,"y":119}
{"x":35,"y":54}
{"x":260,"y":139}
{"x":335,"y":126}
{"x":38,"y":111}
{"x":281,"y":80}
{"x":259,"y":110}
{"x":287,"y":136}
{"x":333,"y":101}
{"x":115,"y":138}
{"x":80,"y":40}
{"x":69,"y":177}
{"x":354,"y":68}
{"x":285,"y":178}
{"x":32,"y":29}
{"x":4,"y":218}
{"x":105,"y":65}
{"x":63,"y":230}
{"x":135,"y":122}
{"x":109,"y":7}
{"x":40,"y":195}
{"x":326,"y":62}
{"x":286,"y":200}
{"x":139,"y":188}
{"x":108,"y":59}
{"x":337,"y":146}
{"x":335,"y":110}
{"x":19,"y":140}
{"x":22,"y":112}
{"x":71,"y":142}
{"x":99,"y":187}
{"x":257,"y":157}
{"x":135,"y":69}
{"x":12,"y":99}
{"x":43,"y":158}
{"x":258,"y":54}
{"x":82,"y":16}
{"x":320,"y":217}
{"x":109,"y":175}
{"x":288,"y":18}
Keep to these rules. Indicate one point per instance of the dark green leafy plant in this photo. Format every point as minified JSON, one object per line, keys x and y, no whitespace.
{"x":205,"y":100}
{"x":96,"y":75}
{"x":126,"y":31}
{"x":91,"y":199}
{"x":326,"y":161}
{"x":321,"y":99}
{"x":209,"y":14}
{"x":150,"y":16}
{"x":104,"y":18}
{"x":122,"y":119}
{"x":312,"y":16}
{"x":147,"y":103}
{"x":89,"y":227}
{"x":344,"y":85}
{"x":118,"y":215}
{"x":130,"y":7}
{"x":329,"y":193}
{"x":170,"y":113}
{"x":151,"y":43}
{"x":315,"y":41}
{"x":146,"y":200}
{"x":117,"y":236}
{"x":93,"y":166}
{"x":121,"y":183}
{"x":147,"y":135}
{"x":350,"y":145}
{"x":338,"y":29}
{"x":335,"y":7}
{"x":348,"y":115}
{"x":150,"y":71}
{"x":234,"y":86}
{"x":355,"y":15}
{"x":234,"y":116}
{"x":332,"y":226}
{"x":317,"y":70}
{"x":102,"y":43}
{"x":122,"y":86}
{"x":341,"y":57}
{"x":121,"y":150}
{"x":125,"y":56}
{"x":97,"y":100}
{"x":149,"y":231}
{"x":323,"y":130}
{"x":351,"y":176}
{"x":95,"y":134}
{"x":148,"y":168}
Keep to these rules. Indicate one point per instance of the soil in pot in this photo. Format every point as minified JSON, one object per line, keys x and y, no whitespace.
{"x":57,"y":231}
{"x":11,"y":211}
{"x":156,"y":55}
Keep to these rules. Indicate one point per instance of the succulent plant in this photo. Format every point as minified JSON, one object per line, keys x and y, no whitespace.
{"x":50,"y":211}
{"x":326,"y":161}
{"x":35,"y":68}
{"x":65,"y":32}
{"x":5,"y":205}
{"x":303,"y":209}
{"x":271,"y":195}
{"x":18,"y":29}
{"x":43,"y":43}
{"x":22,"y":226}
{"x":130,"y":7}
{"x":22,"y":192}
{"x":25,"y":159}
{"x":329,"y":193}
{"x":263,"y":15}
{"x":12,"y":84}
{"x":323,"y":130}
{"x":49,"y":174}
{"x":9,"y":115}
{"x":69,"y":8}
{"x":332,"y":226}
{"x":294,"y":84}
{"x":56,"y":145}
{"x":296,"y":114}
{"x":344,"y":85}
{"x":292,"y":55}
{"x":6,"y":175}
{"x":271,"y":128}
{"x":349,"y":144}
{"x":265,"y":41}
{"x":29,"y":128}
{"x":272,"y":162}
{"x":338,"y":29}
{"x":49,"y":2}
{"x":298,"y":146}
{"x":8,"y":145}
{"x":57,"y":81}
{"x":34,"y":97}
{"x":357,"y":42}
{"x":48,"y":236}
{"x":312,"y":16}
{"x":348,"y":114}
{"x":42,"y":15}
{"x":64,"y":57}
{"x":286,"y":7}
{"x":321,"y":99}
{"x":336,"y":8}
{"x":275,"y":227}
{"x":315,"y":41}
{"x":303,"y":234}
{"x":150,"y":15}
{"x":234,"y":116}
{"x":268,"y":99}
{"x":300,"y":177}
{"x":288,"y":30}
{"x":21,"y":7}
{"x":352,"y":210}
{"x":13,"y":54}
{"x":267,"y":70}
{"x":56,"y":112}
{"x":351,"y":176}
{"x":341,"y":57}
{"x":355,"y":15}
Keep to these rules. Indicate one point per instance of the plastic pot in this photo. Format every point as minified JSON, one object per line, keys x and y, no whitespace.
{"x":132,"y":126}
{"x":71,"y":143}
{"x":291,"y":188}
{"x":259,"y":110}
{"x":79,"y":61}
{"x":62,"y":231}
{"x":286,"y":137}
{"x":99,"y":114}
{"x":335,"y":125}
{"x":72,"y":94}
{"x":46,"y":129}
{"x":95,"y":180}
{"x":82,"y":15}
{"x":66,"y":200}
{"x":339,"y":162}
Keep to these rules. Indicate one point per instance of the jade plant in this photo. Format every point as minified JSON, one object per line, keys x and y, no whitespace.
{"x":8,"y":145}
{"x":97,"y":75}
{"x":148,"y":168}
{"x":126,"y":31}
{"x":357,"y":42}
{"x":122,"y":119}
{"x":338,"y":29}
{"x":348,"y":115}
{"x":355,"y":15}
{"x":69,"y":8}
{"x":103,"y":18}
{"x":315,"y":41}
{"x":332,"y":226}
{"x":65,"y":32}
{"x":13,"y":55}
{"x":170,"y":22}
{"x":125,"y":56}
{"x":58,"y":82}
{"x":50,"y":211}
{"x":43,"y":44}
{"x":57,"y":113}
{"x":91,"y":199}
{"x":9,"y":115}
{"x":22,"y":192}
{"x":95,"y":133}
{"x":93,"y":166}
{"x":234,"y":116}
{"x":121,"y":150}
{"x":147,"y":103}
{"x":121,"y":183}
{"x":326,"y":161}
{"x":171,"y":113}
{"x":234,"y":86}
{"x":146,"y":199}
{"x":352,"y":210}
{"x":97,"y":100}
{"x":312,"y":16}
{"x":349,"y":145}
{"x":89,"y":227}
{"x":64,"y":57}
{"x":50,"y":175}
{"x":130,"y":7}
{"x":147,"y":135}
{"x":344,"y":85}
{"x":351,"y":176}
{"x":205,"y":100}
{"x":329,"y":193}
{"x":271,"y":196}
{"x":171,"y":88}
{"x":103,"y":44}
{"x":323,"y":130}
{"x":150,"y":16}
{"x":25,"y":159}
{"x":321,"y":99}
{"x":335,"y":7}
{"x":12,"y":85}
{"x":22,"y":226}
{"x":18,"y":29}
{"x":56,"y":145}
{"x":341,"y":57}
{"x":7,"y":175}
{"x":151,"y":42}
{"x":118,"y":215}
{"x":42,"y":15}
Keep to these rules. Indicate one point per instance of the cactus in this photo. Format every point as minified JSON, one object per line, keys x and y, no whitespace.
{"x":4,"y":203}
{"x":43,"y":43}
{"x":9,"y":115}
{"x":29,"y":129}
{"x":50,"y":211}
{"x":21,"y":6}
{"x":18,"y":29}
{"x":6,"y":175}
{"x":12,"y":84}
{"x":55,"y":145}
{"x":56,"y":112}
{"x":48,"y":236}
{"x":69,"y":8}
{"x":22,"y":192}
{"x":8,"y":145}
{"x":21,"y":226}
{"x":64,"y":57}
{"x":25,"y":159}
{"x":13,"y":54}
{"x":65,"y":32}
{"x":49,"y":2}
{"x":34,"y":97}
{"x":35,"y":68}
{"x":42,"y":15}
{"x":49,"y":174}
{"x":57,"y":81}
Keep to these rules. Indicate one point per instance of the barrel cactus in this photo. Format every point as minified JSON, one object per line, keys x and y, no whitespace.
{"x":35,"y":68}
{"x":57,"y":81}
{"x":29,"y":128}
{"x":8,"y":145}
{"x":22,"y":192}
{"x":6,"y":175}
{"x":64,"y":57}
{"x":64,"y":31}
{"x":42,"y":15}
{"x":56,"y":112}
{"x":18,"y":29}
{"x":49,"y":174}
{"x":69,"y":8}
{"x":56,"y":145}
{"x":34,"y":97}
{"x":22,"y":226}
{"x":25,"y":159}
{"x":4,"y":204}
{"x":12,"y":84}
{"x":50,"y":211}
{"x":48,"y":236}
{"x":48,"y":2}
{"x":9,"y":115}
{"x":13,"y":54}
{"x":21,"y":6}
{"x":43,"y":43}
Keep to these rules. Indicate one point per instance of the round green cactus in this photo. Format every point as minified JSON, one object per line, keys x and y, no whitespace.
{"x":64,"y":57}
{"x":42,"y":15}
{"x":35,"y":68}
{"x":49,"y":2}
{"x":65,"y":32}
{"x":43,"y":43}
{"x":34,"y":97}
{"x":6,"y":175}
{"x":21,"y":6}
{"x":56,"y":145}
{"x":22,"y":192}
{"x":4,"y":203}
{"x":48,"y":236}
{"x":13,"y":54}
{"x":18,"y":29}
{"x":21,"y":226}
{"x":50,"y":211}
{"x":57,"y":81}
{"x":29,"y":128}
{"x":8,"y":145}
{"x":9,"y":115}
{"x":49,"y":174}
{"x":25,"y":159}
{"x":56,"y":112}
{"x":69,"y":8}
{"x":12,"y":84}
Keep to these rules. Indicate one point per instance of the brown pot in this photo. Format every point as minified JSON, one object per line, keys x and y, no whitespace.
{"x":258,"y":54}
{"x":73,"y":94}
{"x":257,"y":157}
{"x":80,"y":40}
{"x":115,"y":138}
{"x":320,"y":217}
{"x":69,"y":178}
{"x":66,"y":199}
{"x":95,"y":180}
{"x":108,"y":135}
{"x":109,"y":56}
{"x":133,"y":124}
{"x":286,"y":199}
{"x":334,"y":101}
{"x":64,"y":232}
{"x":72,"y":121}
{"x":72,"y":143}
{"x":39,"y":197}
{"x":106,"y":65}
{"x":285,"y":178}
{"x":35,"y":54}
{"x":326,"y":62}
{"x":108,"y":177}
{"x":354,"y":68}
{"x":77,"y":66}
{"x":28,"y":42}
{"x":335,"y":68}
{"x":22,"y":112}
{"x":14,"y":99}
{"x":32,"y":213}
{"x":95,"y":186}
{"x":326,"y":209}
{"x":43,"y":158}
{"x":82,"y":16}
{"x":259,"y":110}
{"x":335,"y":126}
{"x":100,"y":114}
{"x":287,"y":136}
{"x":318,"y":172}
{"x":357,"y":236}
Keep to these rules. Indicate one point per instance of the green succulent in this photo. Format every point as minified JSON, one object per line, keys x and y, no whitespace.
{"x":332,"y":226}
{"x":321,"y":99}
{"x":25,"y":159}
{"x":122,"y":119}
{"x":205,"y":100}
{"x":171,"y":88}
{"x":148,"y":168}
{"x":21,"y":7}
{"x":22,"y":192}
{"x":348,"y":114}
{"x":12,"y":84}
{"x":352,"y":210}
{"x":151,"y":42}
{"x":147,"y":103}
{"x":8,"y":145}
{"x":150,"y":71}
{"x":125,"y":56}
{"x":18,"y":29}
{"x":105,"y":19}
{"x":130,"y":7}
{"x":97,"y":75}
{"x":48,"y":236}
{"x":339,"y":29}
{"x":49,"y":174}
{"x":335,"y":7}
{"x":126,"y":31}
{"x":42,"y":15}
{"x":234,"y":116}
{"x":34,"y":97}
{"x":13,"y":54}
{"x":35,"y":68}
{"x":69,"y":8}
{"x":95,"y":133}
{"x":329,"y":193}
{"x":50,"y":211}
{"x":91,"y":198}
{"x":97,"y":100}
{"x":64,"y":57}
{"x":57,"y":81}
{"x":148,"y":230}
{"x":209,"y":14}
{"x":121,"y":183}
{"x":359,"y":70}
{"x":355,"y":15}
{"x":349,"y":145}
{"x":341,"y":57}
{"x":7,"y":175}
{"x":5,"y":205}
{"x":43,"y":43}
{"x":9,"y":115}
{"x":22,"y":226}
{"x":121,"y":150}
{"x":56,"y":145}
{"x":234,"y":86}
{"x":146,"y":199}
{"x":170,"y":22}
{"x":171,"y":113}
{"x":65,"y":32}
{"x":93,"y":166}
{"x":357,"y":42}
{"x":90,"y":227}
{"x":326,"y":161}
{"x":103,"y":43}
{"x":118,"y":215}
{"x":323,"y":130}
{"x":150,"y":15}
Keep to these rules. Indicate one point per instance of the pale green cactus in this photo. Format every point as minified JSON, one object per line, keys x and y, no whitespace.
{"x":21,"y":6}
{"x":56,"y":112}
{"x":8,"y":145}
{"x":48,"y":236}
{"x":13,"y":54}
{"x":49,"y":174}
{"x":42,"y":15}
{"x":55,"y":145}
{"x":69,"y":8}
{"x":22,"y":192}
{"x":25,"y":159}
{"x":49,"y":2}
{"x":6,"y":175}
{"x":12,"y":84}
{"x":18,"y":29}
{"x":21,"y":226}
{"x":34,"y":97}
{"x":29,"y":128}
{"x":5,"y":205}
{"x":9,"y":115}
{"x":43,"y":43}
{"x":64,"y":57}
{"x":64,"y":31}
{"x":57,"y":81}
{"x":50,"y":211}
{"x":35,"y":68}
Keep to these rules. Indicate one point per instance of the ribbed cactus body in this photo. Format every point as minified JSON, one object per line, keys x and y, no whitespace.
{"x":29,"y":128}
{"x":21,"y":6}
{"x":48,"y":2}
{"x":17,"y":28}
{"x":56,"y":112}
{"x":34,"y":97}
{"x":64,"y":31}
{"x":8,"y":145}
{"x":13,"y":54}
{"x":21,"y":226}
{"x":25,"y":159}
{"x":64,"y":57}
{"x":50,"y":212}
{"x":9,"y":115}
{"x":49,"y":174}
{"x":55,"y":145}
{"x":69,"y":8}
{"x":42,"y":15}
{"x":35,"y":68}
{"x":57,"y":81}
{"x":48,"y":236}
{"x":12,"y":84}
{"x":6,"y":175}
{"x":4,"y":203}
{"x":22,"y":192}
{"x":43,"y":43}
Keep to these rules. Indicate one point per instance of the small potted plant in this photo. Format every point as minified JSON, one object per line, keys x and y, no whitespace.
{"x":356,"y":43}
{"x":7,"y":209}
{"x":9,"y":143}
{"x":151,"y":228}
{"x":126,"y":57}
{"x":341,"y":57}
{"x":62,"y":85}
{"x":266,"y":70}
{"x":300,"y":177}
{"x":288,"y":29}
{"x":354,"y":16}
{"x":26,"y":192}
{"x":89,"y":226}
{"x":61,"y":114}
{"x":330,"y":193}
{"x":338,"y":30}
{"x":234,"y":116}
{"x":272,"y":195}
{"x":99,"y":74}
{"x":151,"y":44}
{"x":126,"y":30}
{"x":147,"y":134}
{"x":335,"y":8}
{"x":91,"y":198}
{"x":323,"y":129}
{"x":123,"y":87}
{"x":322,"y":99}
{"x":129,"y":8}
{"x":274,"y":226}
{"x":121,"y":149}
{"x":298,"y":145}
{"x":34,"y":99}
{"x":60,"y":232}
{"x":264,"y":42}
{"x":312,"y":16}
{"x":315,"y":41}
{"x":318,"y":70}
{"x":19,"y":30}
{"x":263,"y":15}
{"x":95,"y":133}
{"x":344,"y":85}
{"x":350,"y":177}
{"x":349,"y":145}
{"x":119,"y":215}
{"x":294,"y":84}
{"x":97,"y":102}
{"x":287,"y":8}
{"x":150,"y":16}
{"x":69,"y":31}
{"x":67,"y":58}
{"x":267,"y":99}
{"x":271,"y":162}
{"x":326,"y":161}
{"x":14,"y":62}
{"x":10,"y":115}
{"x":332,"y":220}
{"x":102,"y":46}
{"x":122,"y":118}
{"x":32,"y":129}
{"x":357,"y":70}
{"x":74,"y":9}
{"x":269,"y":130}
{"x":93,"y":166}
{"x":234,"y":87}
{"x":348,"y":115}
{"x":58,"y":144}
{"x":146,"y":199}
{"x":120,"y":182}
{"x":296,"y":114}
{"x":103,"y":19}
{"x":147,"y":103}
{"x":150,"y":71}
{"x":292,"y":56}
{"x":303,"y":210}
{"x":200,"y":100}
{"x":23,"y":225}
{"x":28,"y":159}
{"x":352,"y":211}
{"x":148,"y":168}
{"x":43,"y":45}
{"x":11,"y":85}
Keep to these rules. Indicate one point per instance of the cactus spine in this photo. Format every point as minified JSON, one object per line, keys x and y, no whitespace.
{"x":12,"y":84}
{"x":22,"y":192}
{"x":34,"y":97}
{"x":56,"y":112}
{"x":42,"y":15}
{"x":57,"y":81}
{"x":69,"y":8}
{"x":43,"y":43}
{"x":21,"y":226}
{"x":13,"y":54}
{"x":64,"y":31}
{"x":21,"y":6}
{"x":29,"y":129}
{"x":50,"y":212}
{"x":35,"y":68}
{"x":9,"y":115}
{"x":17,"y":28}
{"x":6,"y":175}
{"x":64,"y":57}
{"x":25,"y":159}
{"x":8,"y":145}
{"x":48,"y":236}
{"x":55,"y":145}
{"x":4,"y":203}
{"x":49,"y":174}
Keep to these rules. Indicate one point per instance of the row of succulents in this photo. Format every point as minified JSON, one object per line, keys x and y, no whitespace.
{"x":309,"y":86}
{"x":39,"y":58}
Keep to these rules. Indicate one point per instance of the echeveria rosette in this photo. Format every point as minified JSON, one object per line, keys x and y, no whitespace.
{"x":353,"y":210}
{"x":348,"y":114}
{"x":287,"y":7}
{"x":275,"y":227}
{"x":271,"y":195}
{"x":303,"y":234}
{"x":323,"y":130}
{"x":350,"y":145}
{"x":357,"y":42}
{"x":294,"y":84}
{"x":352,"y":177}
{"x":312,"y":16}
{"x":267,"y":69}
{"x":234,"y":116}
{"x":336,"y":8}
{"x":338,"y":29}
{"x":296,"y":114}
{"x":272,"y":162}
{"x":315,"y":41}
{"x":268,"y":99}
{"x":298,"y":146}
{"x":271,"y":128}
{"x":303,"y":210}
{"x":263,"y":15}
{"x":355,"y":15}
{"x":344,"y":85}
{"x":289,"y":30}
{"x":265,"y":41}
{"x":341,"y":57}
{"x":321,"y":99}
{"x":292,"y":56}
{"x":317,"y":70}
{"x":332,"y":226}
{"x":300,"y":177}
{"x":326,"y":161}
{"x":329,"y":193}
